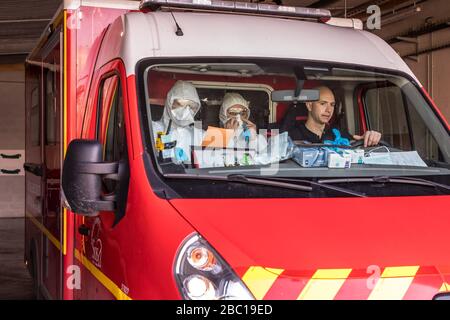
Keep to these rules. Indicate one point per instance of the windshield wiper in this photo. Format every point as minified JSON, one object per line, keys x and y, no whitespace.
{"x":240,"y":179}
{"x":271,"y":182}
{"x":388,"y":179}
{"x":437,"y":164}
{"x":317,"y":184}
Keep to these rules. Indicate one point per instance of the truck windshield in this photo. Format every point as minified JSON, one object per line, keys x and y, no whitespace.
{"x":290,"y":119}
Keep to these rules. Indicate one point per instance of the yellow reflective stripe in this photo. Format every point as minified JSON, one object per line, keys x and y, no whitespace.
{"x":45,"y":231}
{"x":101,"y":277}
{"x":65,"y":86}
{"x":394,"y":272}
{"x":391,"y":288}
{"x":64,"y":115}
{"x":324,"y":284}
{"x":109,"y":284}
{"x":445,"y":287}
{"x":64,"y":251}
{"x":332,"y":274}
{"x":259,"y":280}
{"x":394,"y":283}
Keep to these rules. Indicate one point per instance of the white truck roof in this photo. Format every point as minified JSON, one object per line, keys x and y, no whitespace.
{"x":152,"y":34}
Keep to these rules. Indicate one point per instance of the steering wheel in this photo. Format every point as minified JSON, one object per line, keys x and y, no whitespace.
{"x":359,"y":143}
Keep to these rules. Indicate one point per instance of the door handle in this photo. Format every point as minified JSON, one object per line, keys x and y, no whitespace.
{"x":33,"y":168}
{"x":83,"y":230}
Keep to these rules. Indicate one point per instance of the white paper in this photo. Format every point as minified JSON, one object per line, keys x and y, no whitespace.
{"x":409,"y":158}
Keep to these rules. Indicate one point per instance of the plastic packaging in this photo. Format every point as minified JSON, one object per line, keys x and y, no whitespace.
{"x":279,"y":148}
{"x":310,"y":157}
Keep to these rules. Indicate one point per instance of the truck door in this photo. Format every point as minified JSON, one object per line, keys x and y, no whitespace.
{"x":52,"y":152}
{"x":33,"y":172}
{"x":43,"y":167}
{"x":100,"y":245}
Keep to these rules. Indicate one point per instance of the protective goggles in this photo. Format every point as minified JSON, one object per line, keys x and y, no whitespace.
{"x":183,"y":103}
{"x":235,"y":111}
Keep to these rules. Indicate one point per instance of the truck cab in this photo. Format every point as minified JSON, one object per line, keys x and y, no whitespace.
{"x":248,"y":223}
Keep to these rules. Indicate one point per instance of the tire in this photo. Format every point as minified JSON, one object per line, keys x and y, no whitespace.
{"x":34,"y":271}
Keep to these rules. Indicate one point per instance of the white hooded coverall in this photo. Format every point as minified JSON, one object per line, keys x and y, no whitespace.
{"x":181,"y":129}
{"x":258,"y":143}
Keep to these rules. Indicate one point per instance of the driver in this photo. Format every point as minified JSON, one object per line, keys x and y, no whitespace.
{"x":316,"y":128}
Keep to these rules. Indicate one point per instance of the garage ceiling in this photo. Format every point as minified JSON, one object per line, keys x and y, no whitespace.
{"x":22,"y":22}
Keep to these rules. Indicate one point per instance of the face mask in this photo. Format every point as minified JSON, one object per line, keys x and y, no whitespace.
{"x":182,"y":116}
{"x":238,"y":119}
{"x":237,"y":116}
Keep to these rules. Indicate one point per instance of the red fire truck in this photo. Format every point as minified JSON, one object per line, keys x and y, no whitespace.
{"x":110,"y":216}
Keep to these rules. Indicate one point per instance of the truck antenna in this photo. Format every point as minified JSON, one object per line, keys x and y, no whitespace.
{"x":179,"y":32}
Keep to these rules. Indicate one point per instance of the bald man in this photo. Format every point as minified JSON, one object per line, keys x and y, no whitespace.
{"x":316,"y":128}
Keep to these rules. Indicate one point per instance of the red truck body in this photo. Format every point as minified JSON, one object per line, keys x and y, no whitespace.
{"x":318,"y":248}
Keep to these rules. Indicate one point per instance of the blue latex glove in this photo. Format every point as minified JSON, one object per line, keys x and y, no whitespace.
{"x":247,"y":134}
{"x":338,"y":140}
{"x":180,"y":155}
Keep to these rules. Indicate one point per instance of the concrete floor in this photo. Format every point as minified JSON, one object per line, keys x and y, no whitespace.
{"x":15,"y":281}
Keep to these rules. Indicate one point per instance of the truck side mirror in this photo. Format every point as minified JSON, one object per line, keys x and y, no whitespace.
{"x":83,"y":169}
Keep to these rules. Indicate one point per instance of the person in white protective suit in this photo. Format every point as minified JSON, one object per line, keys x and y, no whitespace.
{"x":175,"y":133}
{"x":234,"y":114}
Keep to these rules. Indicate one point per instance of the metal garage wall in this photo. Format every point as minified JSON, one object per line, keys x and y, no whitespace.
{"x":432,"y":68}
{"x":12,"y":136}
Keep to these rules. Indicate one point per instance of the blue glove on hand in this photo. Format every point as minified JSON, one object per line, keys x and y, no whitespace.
{"x":180,"y":155}
{"x":338,"y":141}
{"x":247,"y":135}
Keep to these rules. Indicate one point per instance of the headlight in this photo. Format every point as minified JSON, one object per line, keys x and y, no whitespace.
{"x":202,"y":259}
{"x":202,"y":274}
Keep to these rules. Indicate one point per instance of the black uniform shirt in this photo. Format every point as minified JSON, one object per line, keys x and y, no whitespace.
{"x":302,"y":133}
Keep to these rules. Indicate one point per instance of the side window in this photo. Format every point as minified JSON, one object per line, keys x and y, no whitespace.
{"x":51,"y":104}
{"x":386,"y":113}
{"x":424,"y":142}
{"x":111,"y":111}
{"x":35,"y":119}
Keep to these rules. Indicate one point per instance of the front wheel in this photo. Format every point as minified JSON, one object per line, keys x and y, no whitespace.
{"x":34,"y":271}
